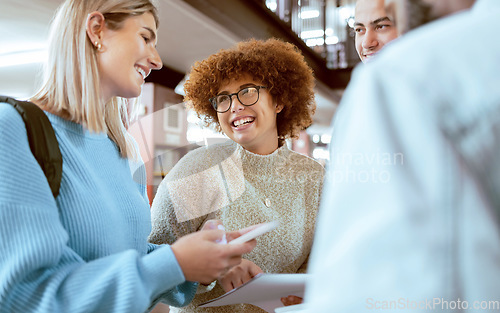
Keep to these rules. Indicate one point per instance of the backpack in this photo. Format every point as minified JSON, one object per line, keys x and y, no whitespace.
{"x":42,"y":140}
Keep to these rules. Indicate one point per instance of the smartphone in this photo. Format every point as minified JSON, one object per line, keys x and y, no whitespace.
{"x":254,"y":233}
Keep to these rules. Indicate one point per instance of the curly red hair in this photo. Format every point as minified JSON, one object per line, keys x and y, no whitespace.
{"x":276,"y":64}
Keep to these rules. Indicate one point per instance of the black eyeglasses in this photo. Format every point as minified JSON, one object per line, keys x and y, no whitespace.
{"x":247,"y":96}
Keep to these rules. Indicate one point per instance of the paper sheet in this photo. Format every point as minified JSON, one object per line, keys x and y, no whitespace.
{"x":264,"y":291}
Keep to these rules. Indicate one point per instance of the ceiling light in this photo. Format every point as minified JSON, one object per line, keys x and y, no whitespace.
{"x":310,"y":42}
{"x":316,"y":138}
{"x":309,"y":14}
{"x":311,"y":33}
{"x":350,"y":22}
{"x":326,"y":138}
{"x":332,"y":40}
{"x":345,"y":13}
{"x":320,"y":153}
{"x":272,"y":5}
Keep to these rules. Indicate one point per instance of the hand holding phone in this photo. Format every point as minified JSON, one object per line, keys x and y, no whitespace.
{"x":254,"y":233}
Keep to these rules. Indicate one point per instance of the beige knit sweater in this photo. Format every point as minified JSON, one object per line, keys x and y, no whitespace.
{"x":226,"y":182}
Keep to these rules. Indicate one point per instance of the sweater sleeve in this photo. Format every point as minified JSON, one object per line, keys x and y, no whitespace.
{"x":41,"y":273}
{"x":138,"y":171}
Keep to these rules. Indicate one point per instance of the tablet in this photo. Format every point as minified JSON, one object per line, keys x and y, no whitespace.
{"x":254,"y":233}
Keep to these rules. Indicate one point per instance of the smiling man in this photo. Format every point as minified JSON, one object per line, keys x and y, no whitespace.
{"x":374,"y":28}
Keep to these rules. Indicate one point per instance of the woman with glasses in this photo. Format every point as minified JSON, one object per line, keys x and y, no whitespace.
{"x":258,"y":94}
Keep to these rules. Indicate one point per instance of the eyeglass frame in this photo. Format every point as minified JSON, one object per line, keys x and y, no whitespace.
{"x":214,"y":104}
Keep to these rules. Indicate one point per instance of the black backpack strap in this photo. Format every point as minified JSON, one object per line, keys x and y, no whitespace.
{"x":42,"y":140}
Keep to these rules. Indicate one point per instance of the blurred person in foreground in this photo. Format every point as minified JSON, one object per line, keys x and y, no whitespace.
{"x":410,"y":218}
{"x":86,"y":249}
{"x":258,"y":93}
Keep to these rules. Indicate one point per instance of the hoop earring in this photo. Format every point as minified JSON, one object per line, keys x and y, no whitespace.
{"x":98,"y":45}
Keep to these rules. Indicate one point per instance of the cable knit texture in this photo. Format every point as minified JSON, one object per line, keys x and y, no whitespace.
{"x":226,"y":182}
{"x":86,"y":251}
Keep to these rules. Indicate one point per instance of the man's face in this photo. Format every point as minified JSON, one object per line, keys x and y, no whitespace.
{"x":373,"y":26}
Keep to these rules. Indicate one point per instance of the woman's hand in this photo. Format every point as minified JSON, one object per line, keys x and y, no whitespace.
{"x":202,"y":259}
{"x":231,"y":235}
{"x":212,"y":224}
{"x":291,"y":300}
{"x":239,"y":274}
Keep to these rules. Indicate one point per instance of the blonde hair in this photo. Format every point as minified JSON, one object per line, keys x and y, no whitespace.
{"x":71,"y":78}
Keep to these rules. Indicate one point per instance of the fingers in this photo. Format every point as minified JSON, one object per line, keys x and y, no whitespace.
{"x":242,"y":248}
{"x":226,"y":283}
{"x":291,"y":300}
{"x":202,"y":259}
{"x":249,"y":228}
{"x":234,"y":278}
{"x":212,"y":235}
{"x":237,"y":283}
{"x":243,"y":279}
{"x":231,"y":235}
{"x":254,"y":270}
{"x":212,"y":224}
{"x":215,"y":224}
{"x":239,"y":275}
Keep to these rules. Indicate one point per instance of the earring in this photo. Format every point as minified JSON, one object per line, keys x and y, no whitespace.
{"x":98,"y":45}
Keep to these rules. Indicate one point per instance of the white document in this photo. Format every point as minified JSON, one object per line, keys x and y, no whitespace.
{"x":264,"y":291}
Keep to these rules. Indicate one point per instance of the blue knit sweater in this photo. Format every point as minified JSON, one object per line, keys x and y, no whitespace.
{"x":87,"y":250}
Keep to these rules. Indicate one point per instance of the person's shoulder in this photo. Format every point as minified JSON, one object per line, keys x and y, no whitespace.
{"x":10,"y":119}
{"x":306,"y":161}
{"x":218,"y":151}
{"x":13,"y":134}
{"x":434,"y":59}
{"x":434,"y":44}
{"x":7,"y":111}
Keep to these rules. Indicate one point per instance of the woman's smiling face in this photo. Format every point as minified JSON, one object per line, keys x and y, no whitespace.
{"x":127,"y":56}
{"x":253,"y":127}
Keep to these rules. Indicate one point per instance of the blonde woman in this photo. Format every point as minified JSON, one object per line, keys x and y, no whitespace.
{"x":86,"y":250}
